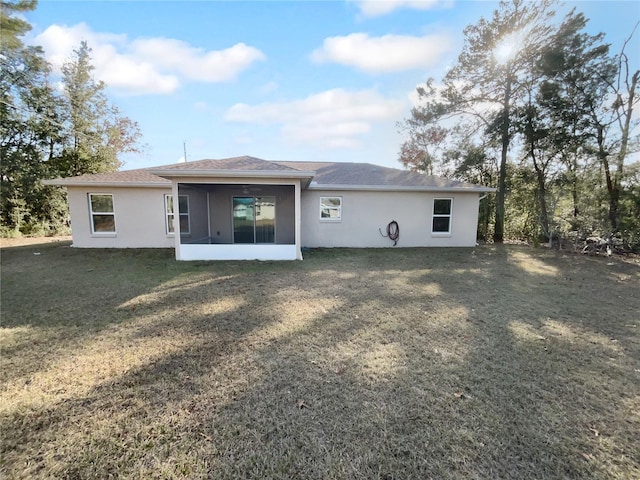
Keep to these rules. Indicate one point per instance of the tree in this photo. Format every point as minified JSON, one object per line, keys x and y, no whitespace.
{"x":560,"y":86}
{"x":495,"y":58}
{"x":538,"y":148}
{"x":44,"y":134}
{"x":416,"y":153}
{"x":96,"y":133}
{"x":589,"y":97}
{"x":625,"y":98}
{"x":575,"y":70}
{"x":552,"y":105}
{"x":27,"y":125}
{"x":474,"y":163}
{"x":486,"y":83}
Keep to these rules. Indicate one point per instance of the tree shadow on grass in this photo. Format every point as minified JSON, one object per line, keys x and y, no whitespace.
{"x":382,"y":364}
{"x":56,"y":302}
{"x":553,"y":368}
{"x":462,"y":397}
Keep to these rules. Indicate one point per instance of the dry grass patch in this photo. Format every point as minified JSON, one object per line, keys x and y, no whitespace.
{"x":495,"y":362}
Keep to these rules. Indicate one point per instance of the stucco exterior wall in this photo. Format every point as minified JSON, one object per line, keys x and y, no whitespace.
{"x":139,"y":218}
{"x":365,"y":213}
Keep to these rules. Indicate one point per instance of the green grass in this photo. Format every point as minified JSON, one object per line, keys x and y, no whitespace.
{"x":495,"y":362}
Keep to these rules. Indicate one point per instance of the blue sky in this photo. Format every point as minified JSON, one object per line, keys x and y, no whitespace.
{"x":280,"y":80}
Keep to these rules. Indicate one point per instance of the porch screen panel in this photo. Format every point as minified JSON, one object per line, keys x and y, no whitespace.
{"x":265,"y":213}
{"x":243,"y":219}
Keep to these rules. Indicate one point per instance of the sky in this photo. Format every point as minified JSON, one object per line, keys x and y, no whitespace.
{"x":278,"y":80}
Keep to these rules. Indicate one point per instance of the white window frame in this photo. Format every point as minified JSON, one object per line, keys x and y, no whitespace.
{"x":335,"y":208}
{"x":442,"y":215}
{"x":92,"y":213}
{"x":168,"y":214}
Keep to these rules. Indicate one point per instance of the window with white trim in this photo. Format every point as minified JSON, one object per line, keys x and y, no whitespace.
{"x":183,"y":212}
{"x":103,"y":215}
{"x":331,"y":209}
{"x":441,"y":222}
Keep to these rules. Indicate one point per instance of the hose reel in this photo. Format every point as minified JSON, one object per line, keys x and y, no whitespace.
{"x":393,"y":232}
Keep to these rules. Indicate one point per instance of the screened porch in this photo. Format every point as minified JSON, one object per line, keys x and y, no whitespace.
{"x":235,"y":221}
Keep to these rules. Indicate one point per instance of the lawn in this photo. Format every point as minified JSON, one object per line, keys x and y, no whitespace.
{"x":500,"y":362}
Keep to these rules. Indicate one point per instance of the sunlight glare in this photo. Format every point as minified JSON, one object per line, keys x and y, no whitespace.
{"x":507,"y":48}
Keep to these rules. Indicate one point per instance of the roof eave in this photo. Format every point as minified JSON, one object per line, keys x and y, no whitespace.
{"x":68,"y":183}
{"x":173,"y":174}
{"x":401,"y":188}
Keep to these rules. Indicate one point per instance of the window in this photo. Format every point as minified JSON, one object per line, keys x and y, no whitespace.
{"x":254,"y":219}
{"x":183,"y":209}
{"x":331,"y":208}
{"x":103,"y":217}
{"x":441,"y":215}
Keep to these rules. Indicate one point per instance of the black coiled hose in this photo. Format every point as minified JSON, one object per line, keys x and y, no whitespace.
{"x":393,"y":232}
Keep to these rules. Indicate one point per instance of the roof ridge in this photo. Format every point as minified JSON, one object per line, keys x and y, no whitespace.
{"x":244,"y":162}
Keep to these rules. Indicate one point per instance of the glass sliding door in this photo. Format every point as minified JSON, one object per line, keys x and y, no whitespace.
{"x":243,"y":220}
{"x":265,"y":209}
{"x":254,"y":219}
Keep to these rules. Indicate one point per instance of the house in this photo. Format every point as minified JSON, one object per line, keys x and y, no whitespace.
{"x":249,"y":208}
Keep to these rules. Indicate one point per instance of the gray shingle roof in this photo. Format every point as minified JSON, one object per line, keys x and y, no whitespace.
{"x":138,"y":176}
{"x":327,"y":174}
{"x":367,"y":174}
{"x":244,"y":163}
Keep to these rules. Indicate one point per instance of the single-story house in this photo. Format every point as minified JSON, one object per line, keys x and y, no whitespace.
{"x":249,"y":208}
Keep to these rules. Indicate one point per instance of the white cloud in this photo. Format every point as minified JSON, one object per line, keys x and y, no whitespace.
{"x":332,"y":119}
{"x":339,"y":135}
{"x":389,"y":53}
{"x":376,"y":8}
{"x":146,"y":66}
{"x":60,"y":41}
{"x":196,"y":63}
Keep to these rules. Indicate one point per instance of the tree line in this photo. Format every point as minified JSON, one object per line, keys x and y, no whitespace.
{"x":50,"y":129}
{"x":542,"y":111}
{"x":534,"y":106}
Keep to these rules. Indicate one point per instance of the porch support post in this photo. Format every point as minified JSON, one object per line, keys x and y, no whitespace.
{"x":298,"y":216}
{"x":176,"y":218}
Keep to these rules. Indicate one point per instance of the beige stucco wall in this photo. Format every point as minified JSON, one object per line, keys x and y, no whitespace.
{"x":140,"y":221}
{"x":139,"y":217}
{"x":365,"y":212}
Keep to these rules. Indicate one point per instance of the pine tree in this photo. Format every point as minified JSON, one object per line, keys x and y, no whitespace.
{"x":96,"y":132}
